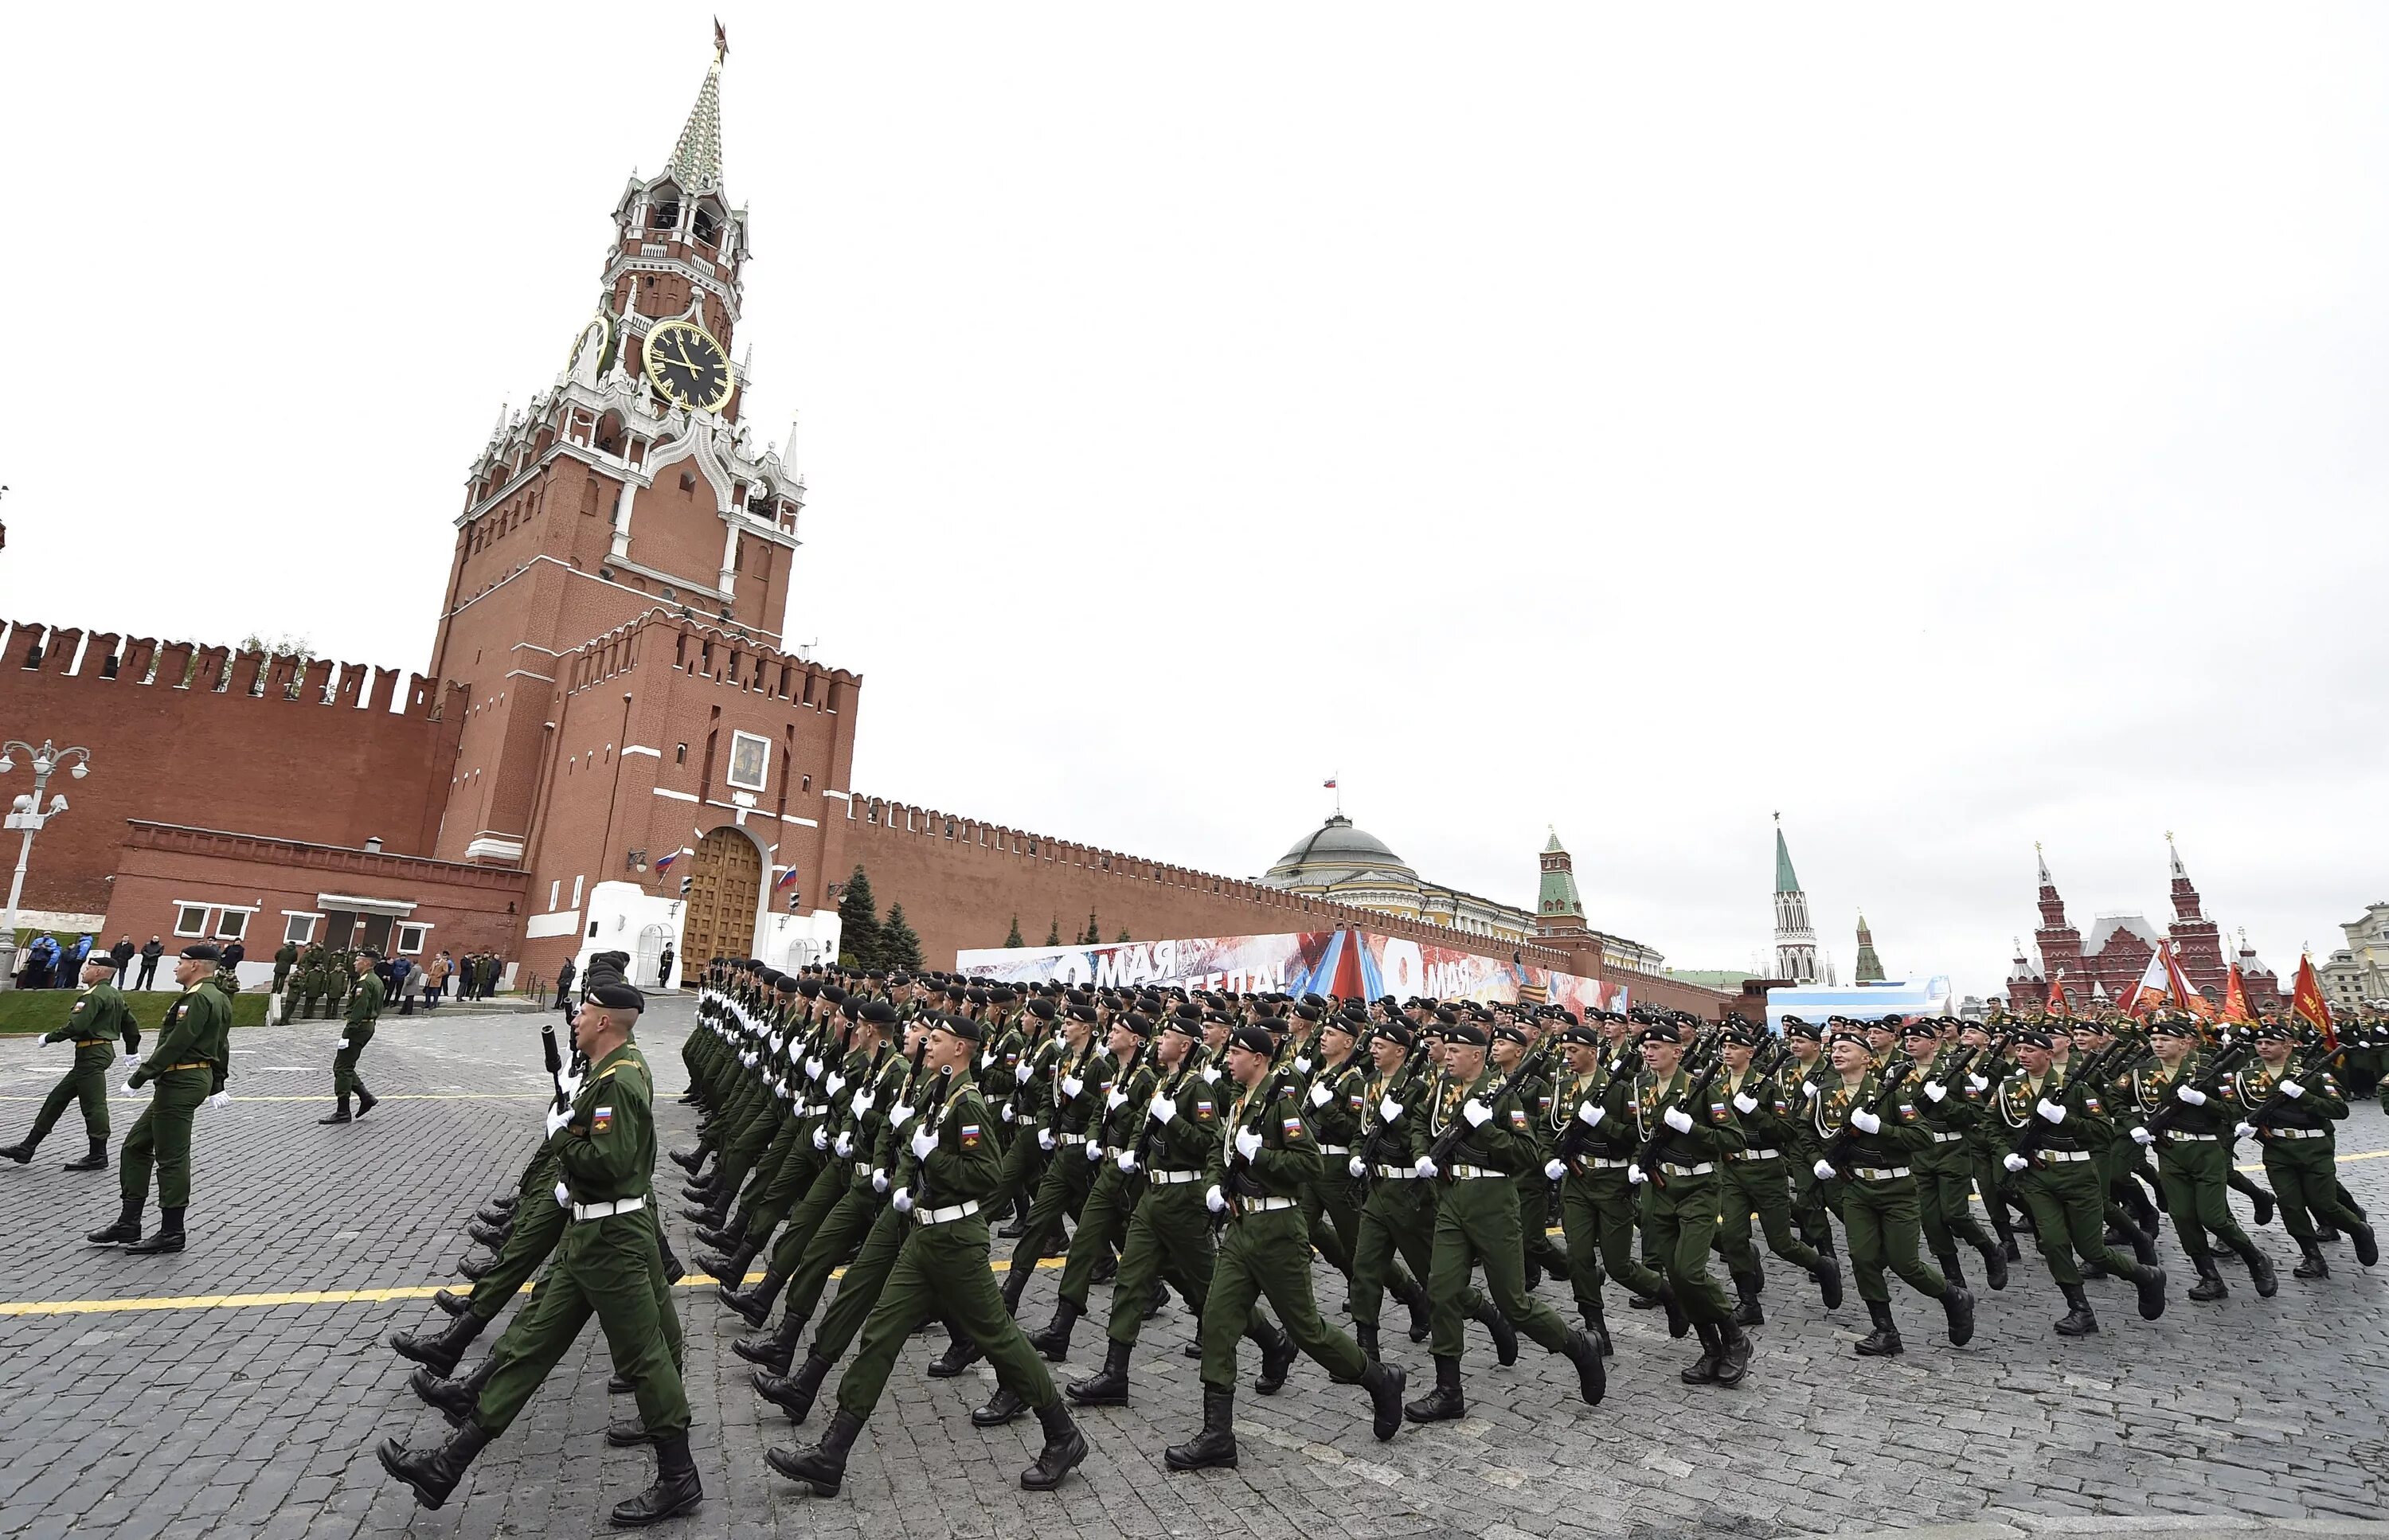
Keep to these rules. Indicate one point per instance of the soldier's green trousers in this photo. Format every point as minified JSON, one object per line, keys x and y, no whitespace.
{"x":1534,"y":1224}
{"x":2304,"y":1174}
{"x":1758,"y":1186}
{"x":941,"y":1272}
{"x":778,"y":1184}
{"x":2067,"y":1201}
{"x":1476,"y":1225}
{"x":1945,"y":1189}
{"x":1103,"y":1223}
{"x":613,"y":1268}
{"x":1332,"y":1215}
{"x":857,"y":1288}
{"x":1614,"y":1227}
{"x":830,"y":1184}
{"x":1398,"y":1219}
{"x":1169,"y":1237}
{"x":1062,"y":1192}
{"x":1879,"y":1220}
{"x":1268,"y":1256}
{"x":2194,"y":1176}
{"x":1679,"y":1219}
{"x":539,"y":1224}
{"x":161,"y":1135}
{"x":818,"y":1250}
{"x":1023,"y":1170}
{"x":84,"y":1081}
{"x":344,"y":1061}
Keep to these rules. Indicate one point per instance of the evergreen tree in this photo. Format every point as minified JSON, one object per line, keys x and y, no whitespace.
{"x":858,"y":914}
{"x":1095,"y":933}
{"x":899,"y":946}
{"x":1054,"y":935}
{"x":1013,"y":939}
{"x":1123,"y":934}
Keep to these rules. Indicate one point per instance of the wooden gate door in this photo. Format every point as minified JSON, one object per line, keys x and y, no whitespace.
{"x":726,"y":889}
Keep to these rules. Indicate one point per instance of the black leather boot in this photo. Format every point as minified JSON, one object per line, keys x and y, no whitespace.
{"x":340,"y":1114}
{"x":454,"y":1399}
{"x":2151,"y":1283}
{"x":1215,"y":1445}
{"x":1505,"y":1335}
{"x":627,"y":1433}
{"x":1733,"y":1355}
{"x":1597,"y":1324}
{"x":1108,"y":1385}
{"x":2078,"y":1321}
{"x":1591,"y":1378}
{"x":774,"y":1349}
{"x":2313,"y":1265}
{"x":1053,"y":1343}
{"x":1995,"y":1266}
{"x":755,"y":1302}
{"x":2260,"y":1270}
{"x":1412,"y":1294}
{"x":1446,"y":1402}
{"x":124,"y":1232}
{"x":823,"y":1467}
{"x":433,"y":1473}
{"x":1277,"y":1356}
{"x":1747,"y":1311}
{"x":1678,"y":1324}
{"x":1951,"y":1271}
{"x":1001,"y":1407}
{"x":1958,"y":1306}
{"x":730,"y":1271}
{"x":1883,"y":1341}
{"x":2144,"y":1247}
{"x":1383,"y":1383}
{"x":1015,"y":1283}
{"x":492,"y":1213}
{"x":1065,"y":1447}
{"x":491,"y":1236}
{"x":1828,"y":1274}
{"x":1704,"y":1369}
{"x":451,"y":1301}
{"x":169,"y":1236}
{"x":96,"y":1161}
{"x":366,"y":1100}
{"x":476,"y":1269}
{"x":2367,"y":1246}
{"x":2210,"y":1284}
{"x":675,"y":1490}
{"x":439,"y":1351}
{"x":688,"y":1160}
{"x":1365,"y":1334}
{"x":20,"y":1153}
{"x":961,"y":1353}
{"x":793,"y":1393}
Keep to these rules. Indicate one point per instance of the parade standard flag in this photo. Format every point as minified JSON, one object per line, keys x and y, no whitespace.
{"x":2150,"y":992}
{"x":2306,"y":1003}
{"x":2235,"y":999}
{"x":2184,"y":995}
{"x":2057,"y":1005}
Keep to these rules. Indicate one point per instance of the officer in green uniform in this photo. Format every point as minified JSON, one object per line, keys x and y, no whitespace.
{"x":948,"y":1167}
{"x":189,"y":1065}
{"x":2194,"y":1148}
{"x":1333,"y":1104}
{"x":1683,"y":1144}
{"x":1755,"y":1182}
{"x":1870,"y":1131}
{"x":608,"y":1264}
{"x":1259,"y":1165}
{"x":1945,"y":1167}
{"x":2288,"y":1104}
{"x":364,"y":1011}
{"x":99,"y":1018}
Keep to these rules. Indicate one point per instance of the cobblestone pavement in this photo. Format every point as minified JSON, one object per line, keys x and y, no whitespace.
{"x":258,"y":1416}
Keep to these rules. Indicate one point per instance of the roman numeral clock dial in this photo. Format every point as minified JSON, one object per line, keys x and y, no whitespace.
{"x":685,"y":363}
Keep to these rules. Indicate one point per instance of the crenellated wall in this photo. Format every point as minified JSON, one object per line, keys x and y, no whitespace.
{"x":312,"y":750}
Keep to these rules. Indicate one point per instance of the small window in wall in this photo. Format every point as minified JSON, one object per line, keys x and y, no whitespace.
{"x":750,"y":761}
{"x":411,"y":937}
{"x":575,"y":893}
{"x":233,"y":925}
{"x":680,"y":755}
{"x":190,"y":919}
{"x":299,"y":929}
{"x":554,"y":892}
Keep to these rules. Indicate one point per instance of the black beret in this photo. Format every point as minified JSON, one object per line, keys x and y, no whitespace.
{"x":1920,"y":1027}
{"x":1081,"y":1011}
{"x":202,"y":951}
{"x":618,"y":997}
{"x":1136,"y":1021}
{"x":1583,"y":1036}
{"x":1662,"y":1032}
{"x":833,"y":994}
{"x":959,"y":1026}
{"x":2034,"y":1036}
{"x":1509,"y":1034}
{"x":2171,"y":1027}
{"x":790,"y":985}
{"x":1351,"y":1026}
{"x":1467,"y":1034}
{"x":1445,"y":1016}
{"x":1252,"y":1039}
{"x":1191,"y":1026}
{"x":1396,"y":1031}
{"x":879,"y":1013}
{"x":975,"y":996}
{"x":1002,"y":994}
{"x":808,"y":988}
{"x":369,"y":951}
{"x":1311,"y":1013}
{"x":2279,"y":1032}
{"x":898,"y":980}
{"x":1739,"y":1033}
{"x":1043,"y":1009}
{"x":957,"y":993}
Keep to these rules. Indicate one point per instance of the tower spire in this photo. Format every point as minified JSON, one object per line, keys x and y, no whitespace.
{"x":1795,"y":941}
{"x":695,"y":162}
{"x":1870,"y":966}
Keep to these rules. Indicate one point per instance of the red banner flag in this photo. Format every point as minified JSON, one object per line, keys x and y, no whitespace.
{"x":2306,"y":1003}
{"x":2057,"y":1004}
{"x":2235,"y":1000}
{"x":2184,"y":995}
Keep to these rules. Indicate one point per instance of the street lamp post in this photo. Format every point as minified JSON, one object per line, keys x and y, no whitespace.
{"x":26,"y":813}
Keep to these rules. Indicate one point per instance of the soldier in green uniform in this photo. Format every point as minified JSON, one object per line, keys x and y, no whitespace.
{"x":1945,"y":1168}
{"x":285,"y":957}
{"x":2289,"y":1104}
{"x":1682,"y":1146}
{"x":1803,"y":1078}
{"x":1258,"y":1165}
{"x":2193,"y":1150}
{"x":1870,"y":1134}
{"x":189,"y":1065}
{"x":948,"y":1167}
{"x":1515,"y":1043}
{"x":608,"y":1264}
{"x":1487,"y":1127}
{"x":1755,"y":1182}
{"x":1062,"y":1138}
{"x":1121,"y":1095}
{"x":364,"y":1011}
{"x":99,"y":1019}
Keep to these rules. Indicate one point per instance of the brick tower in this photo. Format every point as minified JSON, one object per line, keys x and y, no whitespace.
{"x":1795,"y":940}
{"x":1870,"y":966}
{"x":1558,"y":908}
{"x":2197,"y":941}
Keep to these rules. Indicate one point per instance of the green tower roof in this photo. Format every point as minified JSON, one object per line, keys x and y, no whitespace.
{"x":1785,"y":881}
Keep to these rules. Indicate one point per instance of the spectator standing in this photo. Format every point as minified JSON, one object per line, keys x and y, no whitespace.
{"x":122,"y":954}
{"x":149,"y":956}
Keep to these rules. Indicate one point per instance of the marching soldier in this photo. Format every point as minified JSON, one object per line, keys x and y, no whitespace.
{"x":189,"y":1065}
{"x":1067,"y":1095}
{"x":285,"y":957}
{"x":1681,"y":1145}
{"x":2193,"y":1151}
{"x":1945,"y":1168}
{"x":364,"y":1010}
{"x":1119,"y":1100}
{"x":99,"y":1014}
{"x":2289,"y":1104}
{"x":1755,"y":1182}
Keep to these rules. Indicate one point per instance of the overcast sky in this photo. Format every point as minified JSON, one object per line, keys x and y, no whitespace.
{"x":1954,"y":430}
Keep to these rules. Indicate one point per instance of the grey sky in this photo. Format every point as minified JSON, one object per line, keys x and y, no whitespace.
{"x":1951,"y":428}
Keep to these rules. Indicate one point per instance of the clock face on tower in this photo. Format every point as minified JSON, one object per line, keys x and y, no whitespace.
{"x":687,"y":365}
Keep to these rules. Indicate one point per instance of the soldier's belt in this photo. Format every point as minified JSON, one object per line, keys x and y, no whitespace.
{"x":195,"y":1064}
{"x":1878,"y":1174}
{"x":2294,"y":1133}
{"x":1672,"y":1169}
{"x":602,"y":1211}
{"x":1335,"y":1148}
{"x":1471,"y":1173}
{"x":1069,"y":1139}
{"x":1262,"y":1205}
{"x":945,"y":1216}
{"x":2196,"y":1138}
{"x":1396,"y":1173}
{"x":1603,"y":1162}
{"x":91,"y":1042}
{"x":2054,"y":1157}
{"x":1172,"y":1179}
{"x":1939,"y":1137}
{"x":1756,"y":1155}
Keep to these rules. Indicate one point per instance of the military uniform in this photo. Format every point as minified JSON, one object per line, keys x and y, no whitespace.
{"x":189,"y":1065}
{"x":1755,"y":1181}
{"x":1119,"y":1101}
{"x":2290,"y":1109}
{"x":1948,"y":1099}
{"x":1879,"y":1197}
{"x":2193,"y":1149}
{"x":1062,"y":1137}
{"x":1679,"y":1206}
{"x":2060,"y":1182}
{"x":364,"y":1011}
{"x":97,"y":1021}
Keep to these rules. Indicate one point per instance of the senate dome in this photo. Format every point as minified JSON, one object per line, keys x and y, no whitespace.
{"x":1337,"y":851}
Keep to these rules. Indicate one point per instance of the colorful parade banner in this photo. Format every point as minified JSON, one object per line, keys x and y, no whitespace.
{"x":1348,"y":964}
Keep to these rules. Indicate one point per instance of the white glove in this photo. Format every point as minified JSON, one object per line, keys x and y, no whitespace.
{"x":1071,"y":1086}
{"x":1008,"y":1113}
{"x":2016,"y":1162}
{"x":1094,"y":1152}
{"x":2189,"y":1096}
{"x":1477,"y":1113}
{"x":900,"y":1117}
{"x":557,"y":1119}
{"x":923,"y":1142}
{"x":860,"y":1102}
{"x":1824,"y":1172}
{"x":1045,"y":1139}
{"x":563,"y":1196}
{"x":813,"y":1067}
{"x":1555,"y":1170}
{"x":572,"y":1080}
{"x":748,"y":1058}
{"x":1426,"y":1166}
{"x":2291,"y":1089}
{"x":821,"y":1140}
{"x":1935,"y":1091}
{"x":844,"y":1147}
{"x":1302,"y":1065}
{"x":1389,"y":1109}
{"x":343,"y":1043}
{"x":1127,"y":1163}
{"x":2245,"y":1130}
{"x":1114,"y":1101}
{"x":772,"y":1042}
{"x":132,"y":1089}
{"x":1976,"y":1084}
{"x":1591,"y":1113}
{"x":1320,"y":1094}
{"x":1634,"y":1177}
{"x":1210,"y":1074}
{"x":1679,"y":1120}
{"x":836,"y":1084}
{"x":1744,"y":1103}
{"x":2143,"y":1137}
{"x":1248,"y":1143}
{"x":2050,"y":1109}
{"x":1165,"y":1111}
{"x":128,"y":1056}
{"x":986,"y":1058}
{"x":1212,"y":1200}
{"x":780,"y":1090}
{"x":1808,"y":1088}
{"x":220,"y":1098}
{"x":1357,"y":1166}
{"x":879,"y":1179}
{"x":1865,"y":1122}
{"x":903,"y":1200}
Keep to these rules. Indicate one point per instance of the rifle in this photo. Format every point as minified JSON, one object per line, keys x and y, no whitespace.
{"x":2036,"y":1127}
{"x":1648,"y":1156}
{"x":1069,"y":1072}
{"x":1458,"y":1130}
{"x":554,"y":1065}
{"x":1838,"y":1152}
{"x":1368,"y":1151}
{"x":2157,"y":1122}
{"x":2306,"y":1082}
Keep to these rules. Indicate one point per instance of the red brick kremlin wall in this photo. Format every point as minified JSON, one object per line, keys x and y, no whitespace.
{"x":962,"y":881}
{"x":308,"y":750}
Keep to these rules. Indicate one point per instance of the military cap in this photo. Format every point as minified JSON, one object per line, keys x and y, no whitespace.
{"x":957,"y":993}
{"x":833,"y":994}
{"x":974,"y":995}
{"x":959,"y":1025}
{"x":1252,"y":1039}
{"x":1187,"y":1011}
{"x":1136,"y":1021}
{"x":1311,"y":1013}
{"x":1351,"y":1026}
{"x":808,"y":988}
{"x":1079,"y":1010}
{"x":899,"y":979}
{"x":1920,"y":1027}
{"x":879,"y":1013}
{"x":1395,"y":1030}
{"x":1662,"y":1031}
{"x":2172,"y":1026}
{"x":1582,"y":1034}
{"x":1509,"y":1034}
{"x":790,"y":985}
{"x":372,"y":952}
{"x":2279,"y":1032}
{"x":1445,"y":1016}
{"x":2034,"y":1036}
{"x":1466,"y":1033}
{"x":203,"y":951}
{"x":1043,"y":1009}
{"x":1739,"y":1032}
{"x":618,"y":997}
{"x":1183,"y":1022}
